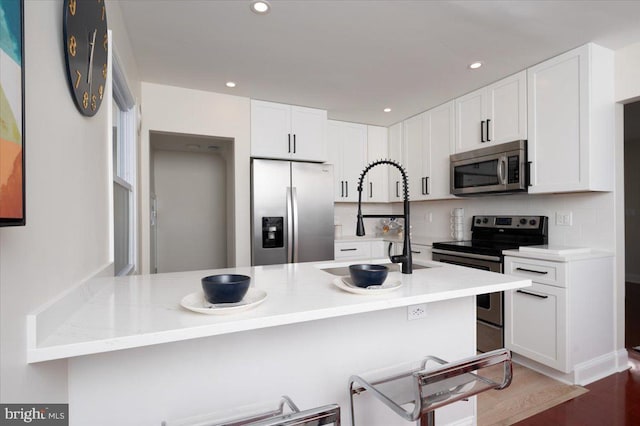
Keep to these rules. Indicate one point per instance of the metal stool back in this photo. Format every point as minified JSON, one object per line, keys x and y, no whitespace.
{"x":427,"y":387}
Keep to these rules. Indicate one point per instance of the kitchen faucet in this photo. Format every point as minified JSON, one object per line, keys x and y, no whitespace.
{"x":405,"y":258}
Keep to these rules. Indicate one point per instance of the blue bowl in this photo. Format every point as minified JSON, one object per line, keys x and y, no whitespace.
{"x":225,"y":288}
{"x":365,"y":275}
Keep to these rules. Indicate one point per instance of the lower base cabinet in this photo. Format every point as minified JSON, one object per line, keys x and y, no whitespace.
{"x":347,"y":250}
{"x":565,"y":319}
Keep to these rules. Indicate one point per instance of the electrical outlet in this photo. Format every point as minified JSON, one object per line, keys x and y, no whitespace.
{"x":415,"y":312}
{"x":564,"y":218}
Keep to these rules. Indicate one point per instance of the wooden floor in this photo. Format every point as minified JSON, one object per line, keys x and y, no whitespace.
{"x":612,"y":401}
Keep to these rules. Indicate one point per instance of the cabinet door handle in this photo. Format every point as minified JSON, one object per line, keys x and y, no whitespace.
{"x":541,"y":296}
{"x":426,"y":185}
{"x":346,"y":190}
{"x":482,"y":131}
{"x":532,"y":270}
{"x":397,"y":189}
{"x":488,"y":138}
{"x":416,"y":251}
{"x":349,"y":249}
{"x":341,"y":188}
{"x":289,"y":140}
{"x":370,"y":189}
{"x":294,"y":143}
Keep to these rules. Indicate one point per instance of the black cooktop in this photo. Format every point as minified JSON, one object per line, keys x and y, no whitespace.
{"x":492,"y":234}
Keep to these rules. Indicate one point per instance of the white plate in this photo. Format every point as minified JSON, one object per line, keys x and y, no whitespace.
{"x":196,"y":302}
{"x":346,"y":284}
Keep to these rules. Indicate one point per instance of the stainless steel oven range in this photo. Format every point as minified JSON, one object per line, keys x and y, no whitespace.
{"x":489,"y":236}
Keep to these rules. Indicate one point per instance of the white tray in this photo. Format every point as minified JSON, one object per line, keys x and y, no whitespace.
{"x":345,"y":284}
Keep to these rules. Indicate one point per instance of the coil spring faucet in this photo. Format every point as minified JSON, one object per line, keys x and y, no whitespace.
{"x":405,"y":258}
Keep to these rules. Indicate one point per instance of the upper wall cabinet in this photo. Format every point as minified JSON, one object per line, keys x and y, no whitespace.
{"x":288,"y":132}
{"x":428,"y":141}
{"x":571,"y":121}
{"x":377,"y":190}
{"x":348,"y":154}
{"x":493,"y":114}
{"x":396,"y":154}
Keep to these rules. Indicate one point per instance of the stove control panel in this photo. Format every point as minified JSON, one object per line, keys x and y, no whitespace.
{"x":509,"y":222}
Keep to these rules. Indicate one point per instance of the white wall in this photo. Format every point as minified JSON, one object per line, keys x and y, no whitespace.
{"x":67,"y":236}
{"x":191,"y":226}
{"x":627,"y":66}
{"x":592,"y":216}
{"x":195,"y":112}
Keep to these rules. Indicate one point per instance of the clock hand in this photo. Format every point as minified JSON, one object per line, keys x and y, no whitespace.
{"x":92,"y":44}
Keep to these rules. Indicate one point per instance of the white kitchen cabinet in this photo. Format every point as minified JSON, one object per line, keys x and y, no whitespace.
{"x":347,"y":144}
{"x":377,"y":190}
{"x":396,"y":154}
{"x":428,"y":141}
{"x":345,"y":250}
{"x":414,"y":146}
{"x":565,"y":319}
{"x":419,"y":251}
{"x":493,"y":114}
{"x":288,"y":132}
{"x":571,"y":121}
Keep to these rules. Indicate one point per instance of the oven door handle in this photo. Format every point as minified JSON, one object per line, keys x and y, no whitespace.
{"x":469,"y":255}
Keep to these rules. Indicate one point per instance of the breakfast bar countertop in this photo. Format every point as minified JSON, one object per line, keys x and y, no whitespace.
{"x":113,"y":313}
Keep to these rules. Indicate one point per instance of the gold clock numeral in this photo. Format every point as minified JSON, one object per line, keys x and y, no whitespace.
{"x":104,"y":70}
{"x":73,"y":44}
{"x":78,"y":79}
{"x":85,"y":100}
{"x":101,"y":91}
{"x":105,"y":41}
{"x":94,"y":103}
{"x":72,"y":7}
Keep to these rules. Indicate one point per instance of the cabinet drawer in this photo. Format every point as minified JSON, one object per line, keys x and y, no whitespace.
{"x":552,"y":273}
{"x":353,"y":250}
{"x":419,"y":252}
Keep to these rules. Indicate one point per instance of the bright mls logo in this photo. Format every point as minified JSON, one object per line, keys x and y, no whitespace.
{"x":34,"y":414}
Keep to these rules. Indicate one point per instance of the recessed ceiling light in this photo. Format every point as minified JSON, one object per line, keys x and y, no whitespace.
{"x":475,"y":65}
{"x":261,"y":7}
{"x":230,"y":84}
{"x":387,"y":110}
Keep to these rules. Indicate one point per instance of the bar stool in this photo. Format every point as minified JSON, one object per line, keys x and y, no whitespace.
{"x":324,"y":415}
{"x":426,"y":387}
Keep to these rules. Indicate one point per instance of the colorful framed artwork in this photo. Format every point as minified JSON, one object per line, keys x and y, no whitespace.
{"x":12,"y":170}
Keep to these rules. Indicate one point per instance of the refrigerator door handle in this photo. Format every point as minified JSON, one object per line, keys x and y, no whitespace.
{"x":289,"y":225}
{"x":294,"y":198}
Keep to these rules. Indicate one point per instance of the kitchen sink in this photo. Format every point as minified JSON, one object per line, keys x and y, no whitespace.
{"x":344,"y":270}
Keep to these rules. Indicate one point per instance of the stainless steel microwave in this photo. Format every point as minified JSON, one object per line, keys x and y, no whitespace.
{"x":496,"y":169}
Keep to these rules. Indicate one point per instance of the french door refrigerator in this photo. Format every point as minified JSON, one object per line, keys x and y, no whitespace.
{"x":291,"y":212}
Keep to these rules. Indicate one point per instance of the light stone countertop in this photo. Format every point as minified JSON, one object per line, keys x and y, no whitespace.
{"x":114,"y":313}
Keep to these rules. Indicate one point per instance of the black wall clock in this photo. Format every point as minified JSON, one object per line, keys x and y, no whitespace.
{"x":85,"y":50}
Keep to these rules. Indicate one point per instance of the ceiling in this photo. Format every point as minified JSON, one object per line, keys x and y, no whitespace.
{"x":354,"y":58}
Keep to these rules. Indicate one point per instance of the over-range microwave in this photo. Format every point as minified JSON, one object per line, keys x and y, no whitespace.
{"x":495,"y":169}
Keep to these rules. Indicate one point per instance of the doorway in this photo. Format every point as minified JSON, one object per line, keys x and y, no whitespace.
{"x":191,"y":182}
{"x":632,"y":224}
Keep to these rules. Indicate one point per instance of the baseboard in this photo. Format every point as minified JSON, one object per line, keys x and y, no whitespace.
{"x":632,"y":278}
{"x":584,"y":373}
{"x":467,"y":421}
{"x":598,"y":368}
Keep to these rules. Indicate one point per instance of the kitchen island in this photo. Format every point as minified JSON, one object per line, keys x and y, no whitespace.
{"x":135,"y":356}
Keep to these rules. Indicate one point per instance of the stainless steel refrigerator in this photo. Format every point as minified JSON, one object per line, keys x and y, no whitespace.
{"x":291,"y":212}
